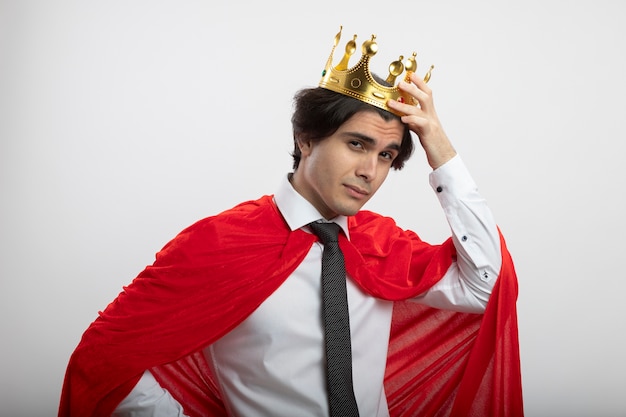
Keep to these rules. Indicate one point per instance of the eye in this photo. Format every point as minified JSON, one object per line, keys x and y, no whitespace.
{"x":387,"y":155}
{"x":356,"y":144}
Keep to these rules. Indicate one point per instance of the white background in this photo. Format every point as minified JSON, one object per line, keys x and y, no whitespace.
{"x":122,"y":122}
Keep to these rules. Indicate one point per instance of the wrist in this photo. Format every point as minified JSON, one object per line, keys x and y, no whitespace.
{"x":439,"y":155}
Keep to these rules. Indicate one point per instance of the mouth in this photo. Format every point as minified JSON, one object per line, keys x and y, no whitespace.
{"x":357,"y":192}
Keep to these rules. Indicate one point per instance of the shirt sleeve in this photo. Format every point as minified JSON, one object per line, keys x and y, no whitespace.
{"x":467,"y":284}
{"x":148,"y":399}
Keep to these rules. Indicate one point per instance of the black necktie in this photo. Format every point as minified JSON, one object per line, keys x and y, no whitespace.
{"x":336,"y":323}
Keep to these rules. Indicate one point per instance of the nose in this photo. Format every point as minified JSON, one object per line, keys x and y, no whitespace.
{"x":367,"y":168}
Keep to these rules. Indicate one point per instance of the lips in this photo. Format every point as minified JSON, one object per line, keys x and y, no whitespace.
{"x":357,"y":191}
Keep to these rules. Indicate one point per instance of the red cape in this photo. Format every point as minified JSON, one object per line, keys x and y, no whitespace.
{"x":216,"y":272}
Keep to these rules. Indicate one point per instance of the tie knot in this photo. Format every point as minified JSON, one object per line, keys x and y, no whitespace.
{"x":327,"y":232}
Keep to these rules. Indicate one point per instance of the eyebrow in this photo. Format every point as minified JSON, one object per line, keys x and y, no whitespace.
{"x":393,"y":146}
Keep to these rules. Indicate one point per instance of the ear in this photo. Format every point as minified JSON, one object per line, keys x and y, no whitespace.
{"x":305,"y":146}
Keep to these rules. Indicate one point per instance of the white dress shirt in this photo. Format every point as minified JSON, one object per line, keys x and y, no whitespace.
{"x":272,"y":363}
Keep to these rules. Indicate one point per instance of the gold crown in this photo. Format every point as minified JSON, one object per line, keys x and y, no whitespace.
{"x":358,"y":82}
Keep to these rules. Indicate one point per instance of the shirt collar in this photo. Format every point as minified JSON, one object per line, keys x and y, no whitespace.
{"x":298,"y":212}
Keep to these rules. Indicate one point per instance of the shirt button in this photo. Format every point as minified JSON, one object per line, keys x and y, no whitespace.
{"x":464,"y":238}
{"x":439,"y":189}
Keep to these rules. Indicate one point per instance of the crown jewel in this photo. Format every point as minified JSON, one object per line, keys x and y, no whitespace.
{"x":358,"y":82}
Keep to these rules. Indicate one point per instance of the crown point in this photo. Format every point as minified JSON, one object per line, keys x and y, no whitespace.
{"x":395,"y":69}
{"x":338,"y":35}
{"x":429,"y":74}
{"x":411,"y":63}
{"x":410,"y":66}
{"x":370,"y":47}
{"x":350,"y":49}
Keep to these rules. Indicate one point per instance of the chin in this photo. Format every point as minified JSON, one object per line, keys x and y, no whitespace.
{"x":346,"y":209}
{"x":349,"y":211}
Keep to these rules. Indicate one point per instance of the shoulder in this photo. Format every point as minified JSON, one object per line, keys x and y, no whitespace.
{"x":366,"y":220}
{"x":240,"y":214}
{"x":370,"y":228}
{"x":239,"y":223}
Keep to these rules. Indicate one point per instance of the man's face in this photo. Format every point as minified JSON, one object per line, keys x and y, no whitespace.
{"x":339,"y":174}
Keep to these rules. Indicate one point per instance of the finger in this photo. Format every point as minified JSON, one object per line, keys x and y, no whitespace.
{"x":419,"y":90}
{"x":413,"y":90}
{"x":416,"y":123}
{"x":420,"y":83}
{"x":402,"y":107}
{"x":411,"y":115}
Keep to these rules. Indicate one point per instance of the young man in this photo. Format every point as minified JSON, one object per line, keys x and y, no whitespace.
{"x":228,"y":319}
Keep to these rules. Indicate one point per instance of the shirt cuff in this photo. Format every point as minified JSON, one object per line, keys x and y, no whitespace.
{"x":451,"y":181}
